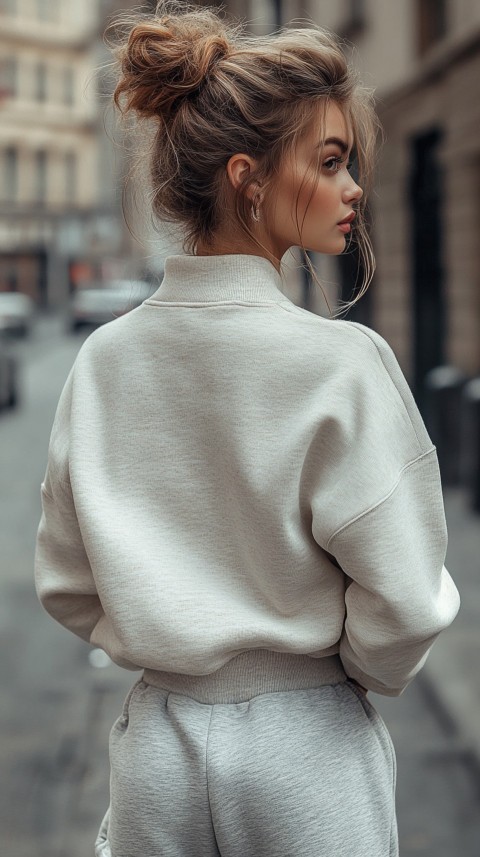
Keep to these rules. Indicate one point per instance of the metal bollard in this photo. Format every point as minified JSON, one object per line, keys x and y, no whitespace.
{"x":443,"y":399}
{"x":471,"y":457}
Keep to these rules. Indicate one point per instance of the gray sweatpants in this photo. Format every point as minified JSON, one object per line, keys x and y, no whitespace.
{"x":273,"y":755}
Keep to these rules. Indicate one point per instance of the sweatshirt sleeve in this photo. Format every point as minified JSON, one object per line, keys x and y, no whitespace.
{"x":399,"y":594}
{"x":63,"y":576}
{"x":385,"y":526}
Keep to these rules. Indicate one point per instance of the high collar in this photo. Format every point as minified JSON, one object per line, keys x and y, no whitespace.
{"x":224,"y":277}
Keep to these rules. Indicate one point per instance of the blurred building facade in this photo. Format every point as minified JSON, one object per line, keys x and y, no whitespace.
{"x":61,"y":177}
{"x":423,"y":59}
{"x":58,"y":214}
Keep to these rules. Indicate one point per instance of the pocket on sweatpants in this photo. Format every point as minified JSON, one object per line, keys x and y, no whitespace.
{"x":122,"y":721}
{"x":374,"y":716}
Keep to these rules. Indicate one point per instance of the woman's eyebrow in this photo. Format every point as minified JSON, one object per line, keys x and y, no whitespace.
{"x":337,"y":141}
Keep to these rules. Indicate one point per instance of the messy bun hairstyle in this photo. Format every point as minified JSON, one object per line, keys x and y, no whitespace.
{"x":211,"y":90}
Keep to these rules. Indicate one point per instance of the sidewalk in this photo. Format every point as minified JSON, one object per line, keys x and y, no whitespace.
{"x":452,"y":670}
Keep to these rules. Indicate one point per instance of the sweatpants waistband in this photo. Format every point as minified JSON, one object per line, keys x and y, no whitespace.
{"x":249,"y":674}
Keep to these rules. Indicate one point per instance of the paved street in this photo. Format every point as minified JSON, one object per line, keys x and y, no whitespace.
{"x":57,"y":706}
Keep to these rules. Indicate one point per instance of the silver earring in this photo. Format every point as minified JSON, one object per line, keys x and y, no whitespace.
{"x":256,"y":211}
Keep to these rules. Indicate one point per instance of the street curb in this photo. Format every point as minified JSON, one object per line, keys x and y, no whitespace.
{"x":453,"y":703}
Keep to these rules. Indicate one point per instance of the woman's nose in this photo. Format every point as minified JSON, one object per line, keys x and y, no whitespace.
{"x":353,"y":193}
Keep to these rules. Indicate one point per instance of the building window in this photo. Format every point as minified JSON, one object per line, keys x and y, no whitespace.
{"x":70,"y":176}
{"x":432,"y":23}
{"x":40,"y":177}
{"x":10,"y":183}
{"x":41,"y":82}
{"x":68,"y":86}
{"x":48,"y":10}
{"x":353,"y":18}
{"x":8,"y":77}
{"x":8,"y":7}
{"x":355,"y":13}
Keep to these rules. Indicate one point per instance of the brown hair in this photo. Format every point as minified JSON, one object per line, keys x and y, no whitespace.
{"x":213,"y":90}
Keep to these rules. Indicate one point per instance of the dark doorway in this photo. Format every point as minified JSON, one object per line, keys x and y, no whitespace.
{"x":351,"y":274}
{"x":25,"y":272}
{"x":42,"y":278}
{"x":426,"y":200}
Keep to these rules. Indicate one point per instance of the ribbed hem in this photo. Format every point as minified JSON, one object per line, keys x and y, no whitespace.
{"x":250,"y":674}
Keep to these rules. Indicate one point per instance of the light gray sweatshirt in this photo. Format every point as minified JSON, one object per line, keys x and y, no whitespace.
{"x":227,"y":471}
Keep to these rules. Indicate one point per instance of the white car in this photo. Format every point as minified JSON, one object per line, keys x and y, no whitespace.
{"x":16,"y":313}
{"x":100,"y":302}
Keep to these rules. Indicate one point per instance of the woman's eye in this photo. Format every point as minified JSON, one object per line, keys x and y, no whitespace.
{"x":333,"y":164}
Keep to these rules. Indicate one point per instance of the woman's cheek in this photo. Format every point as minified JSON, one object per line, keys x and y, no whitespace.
{"x":312,"y":196}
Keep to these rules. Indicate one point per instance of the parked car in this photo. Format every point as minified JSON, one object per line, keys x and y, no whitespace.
{"x":8,"y":376}
{"x":100,"y":302}
{"x":16,"y":313}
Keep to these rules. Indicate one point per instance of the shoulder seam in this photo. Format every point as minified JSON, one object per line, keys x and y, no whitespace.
{"x":206,"y":304}
{"x":383,"y":499}
{"x":290,"y":306}
{"x":372,"y":340}
{"x":366,"y":333}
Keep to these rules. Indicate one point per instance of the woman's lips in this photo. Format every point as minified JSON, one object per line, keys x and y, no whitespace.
{"x":345,"y":225}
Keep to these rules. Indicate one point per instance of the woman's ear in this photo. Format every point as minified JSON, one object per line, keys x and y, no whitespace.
{"x":238,"y":168}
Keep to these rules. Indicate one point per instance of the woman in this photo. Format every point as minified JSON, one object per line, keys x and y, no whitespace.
{"x":241,"y":497}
